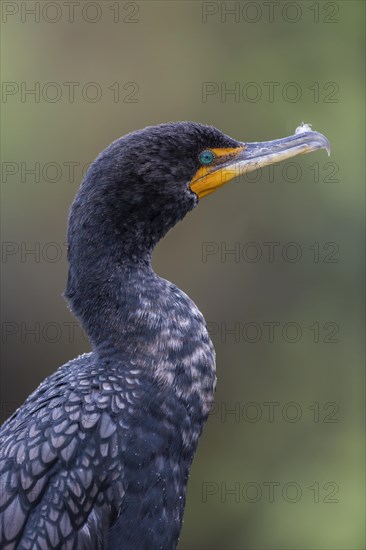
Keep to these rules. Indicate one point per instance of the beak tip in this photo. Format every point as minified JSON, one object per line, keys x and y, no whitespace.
{"x":325,"y":143}
{"x":305,"y":129}
{"x":327,"y":146}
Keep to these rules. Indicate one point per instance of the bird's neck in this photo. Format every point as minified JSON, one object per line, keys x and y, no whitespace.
{"x":110,"y":242}
{"x":107,"y":291}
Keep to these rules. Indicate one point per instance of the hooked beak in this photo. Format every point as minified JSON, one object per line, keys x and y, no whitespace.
{"x":229,"y":163}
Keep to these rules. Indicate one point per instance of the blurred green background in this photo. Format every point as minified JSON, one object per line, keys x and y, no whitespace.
{"x":284,"y":468}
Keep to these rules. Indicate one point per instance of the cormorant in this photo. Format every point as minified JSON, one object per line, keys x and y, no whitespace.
{"x":98,"y":456}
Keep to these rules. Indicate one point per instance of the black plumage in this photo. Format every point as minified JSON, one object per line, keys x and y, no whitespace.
{"x":99,"y":455}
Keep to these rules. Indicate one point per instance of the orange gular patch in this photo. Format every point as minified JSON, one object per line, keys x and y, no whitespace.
{"x":221,"y":170}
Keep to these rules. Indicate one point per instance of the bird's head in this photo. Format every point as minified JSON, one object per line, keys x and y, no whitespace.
{"x":148,"y":180}
{"x":188,"y":160}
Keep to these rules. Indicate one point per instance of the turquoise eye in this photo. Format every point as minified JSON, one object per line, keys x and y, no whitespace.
{"x":206,"y":157}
